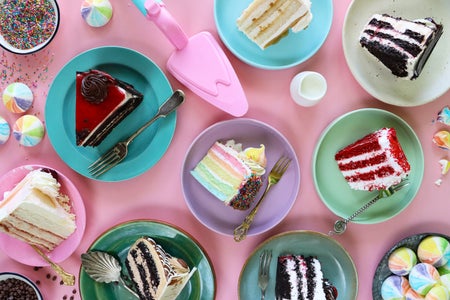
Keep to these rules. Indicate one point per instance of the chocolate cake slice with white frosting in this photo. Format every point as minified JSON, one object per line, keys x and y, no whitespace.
{"x":301,"y":277}
{"x":102,"y":102}
{"x":401,"y":45}
{"x":156,"y":274}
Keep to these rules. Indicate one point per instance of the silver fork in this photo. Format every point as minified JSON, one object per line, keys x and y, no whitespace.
{"x":116,"y":154}
{"x":341,"y":225}
{"x":264,"y":268}
{"x":275,"y":174}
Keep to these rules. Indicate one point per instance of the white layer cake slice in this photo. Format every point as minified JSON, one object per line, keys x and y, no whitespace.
{"x":265,"y":22}
{"x":35,"y":212}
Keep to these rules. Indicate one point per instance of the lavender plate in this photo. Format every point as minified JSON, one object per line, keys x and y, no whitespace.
{"x":251,"y":133}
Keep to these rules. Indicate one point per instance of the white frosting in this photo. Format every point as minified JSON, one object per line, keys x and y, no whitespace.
{"x":293,"y":278}
{"x":318,"y":280}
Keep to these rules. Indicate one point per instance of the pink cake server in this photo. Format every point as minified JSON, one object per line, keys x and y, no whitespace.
{"x":198,"y":62}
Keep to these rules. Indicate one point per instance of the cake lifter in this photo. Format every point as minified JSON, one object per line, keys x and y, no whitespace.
{"x":198,"y":62}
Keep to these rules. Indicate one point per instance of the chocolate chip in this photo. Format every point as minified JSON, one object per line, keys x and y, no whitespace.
{"x":13,"y":288}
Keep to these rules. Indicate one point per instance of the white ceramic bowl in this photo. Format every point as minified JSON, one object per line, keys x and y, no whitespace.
{"x":6,"y":41}
{"x":7,"y":275}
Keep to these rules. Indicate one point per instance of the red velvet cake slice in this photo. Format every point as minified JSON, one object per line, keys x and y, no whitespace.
{"x":375,"y":162}
{"x":102,"y":102}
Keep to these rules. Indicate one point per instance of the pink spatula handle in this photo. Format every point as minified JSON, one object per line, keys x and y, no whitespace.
{"x":157,"y":12}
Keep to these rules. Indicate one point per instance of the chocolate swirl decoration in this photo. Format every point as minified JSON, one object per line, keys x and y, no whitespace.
{"x":94,"y":87}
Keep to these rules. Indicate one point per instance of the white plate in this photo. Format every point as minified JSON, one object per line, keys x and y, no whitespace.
{"x":374,"y":77}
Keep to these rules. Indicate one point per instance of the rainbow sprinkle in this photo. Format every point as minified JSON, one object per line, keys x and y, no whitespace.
{"x":25,"y":24}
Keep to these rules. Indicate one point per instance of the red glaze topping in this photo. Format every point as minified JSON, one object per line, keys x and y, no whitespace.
{"x":89,"y":113}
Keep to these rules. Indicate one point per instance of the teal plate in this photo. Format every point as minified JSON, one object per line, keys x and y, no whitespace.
{"x":290,"y":51}
{"x":129,"y":66}
{"x":118,"y":240}
{"x":337,"y":264}
{"x":334,"y":190}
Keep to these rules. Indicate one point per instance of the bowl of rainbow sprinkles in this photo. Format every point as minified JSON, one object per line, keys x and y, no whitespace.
{"x":27,"y":26}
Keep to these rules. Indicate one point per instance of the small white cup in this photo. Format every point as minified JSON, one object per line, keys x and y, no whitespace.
{"x":308,"y":88}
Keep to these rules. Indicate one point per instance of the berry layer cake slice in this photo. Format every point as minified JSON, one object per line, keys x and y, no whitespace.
{"x":102,"y":102}
{"x":401,"y":45}
{"x":374,"y":162}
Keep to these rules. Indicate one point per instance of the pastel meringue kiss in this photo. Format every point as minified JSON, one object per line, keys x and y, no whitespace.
{"x":5,"y":131}
{"x":28,"y":130}
{"x":444,"y":115}
{"x":96,"y":13}
{"x":442,"y":139}
{"x":17,"y":97}
{"x":402,"y":260}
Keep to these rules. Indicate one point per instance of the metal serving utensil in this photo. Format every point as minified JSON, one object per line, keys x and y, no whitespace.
{"x":67,"y":278}
{"x":240,"y":232}
{"x":263,"y":273}
{"x":341,"y":225}
{"x":117,"y":153}
{"x":103,"y":267}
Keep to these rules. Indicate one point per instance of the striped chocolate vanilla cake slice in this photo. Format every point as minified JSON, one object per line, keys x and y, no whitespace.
{"x":401,"y":45}
{"x":35,"y":211}
{"x":265,"y":22}
{"x":156,"y":274}
{"x":374,"y":162}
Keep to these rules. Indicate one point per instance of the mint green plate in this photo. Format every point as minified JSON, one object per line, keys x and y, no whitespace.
{"x":117,"y":241}
{"x":337,"y":264}
{"x":129,"y":66}
{"x":331,"y":186}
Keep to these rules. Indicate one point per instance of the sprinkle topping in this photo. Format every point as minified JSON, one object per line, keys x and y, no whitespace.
{"x":25,"y":24}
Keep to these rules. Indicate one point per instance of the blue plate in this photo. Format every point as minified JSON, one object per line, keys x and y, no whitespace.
{"x":290,"y":51}
{"x":129,"y":66}
{"x":337,"y":265}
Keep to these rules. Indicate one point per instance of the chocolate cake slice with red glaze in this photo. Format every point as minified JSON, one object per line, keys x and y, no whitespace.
{"x":102,"y":102}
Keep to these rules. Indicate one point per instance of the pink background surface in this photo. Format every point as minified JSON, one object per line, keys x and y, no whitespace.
{"x":157,"y":193}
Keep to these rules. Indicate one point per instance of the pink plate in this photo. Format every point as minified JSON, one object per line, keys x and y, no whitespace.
{"x":22,"y":252}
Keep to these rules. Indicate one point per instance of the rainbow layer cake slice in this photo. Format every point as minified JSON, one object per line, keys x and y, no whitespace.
{"x":36,"y":212}
{"x":231,"y":174}
{"x":374,"y":162}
